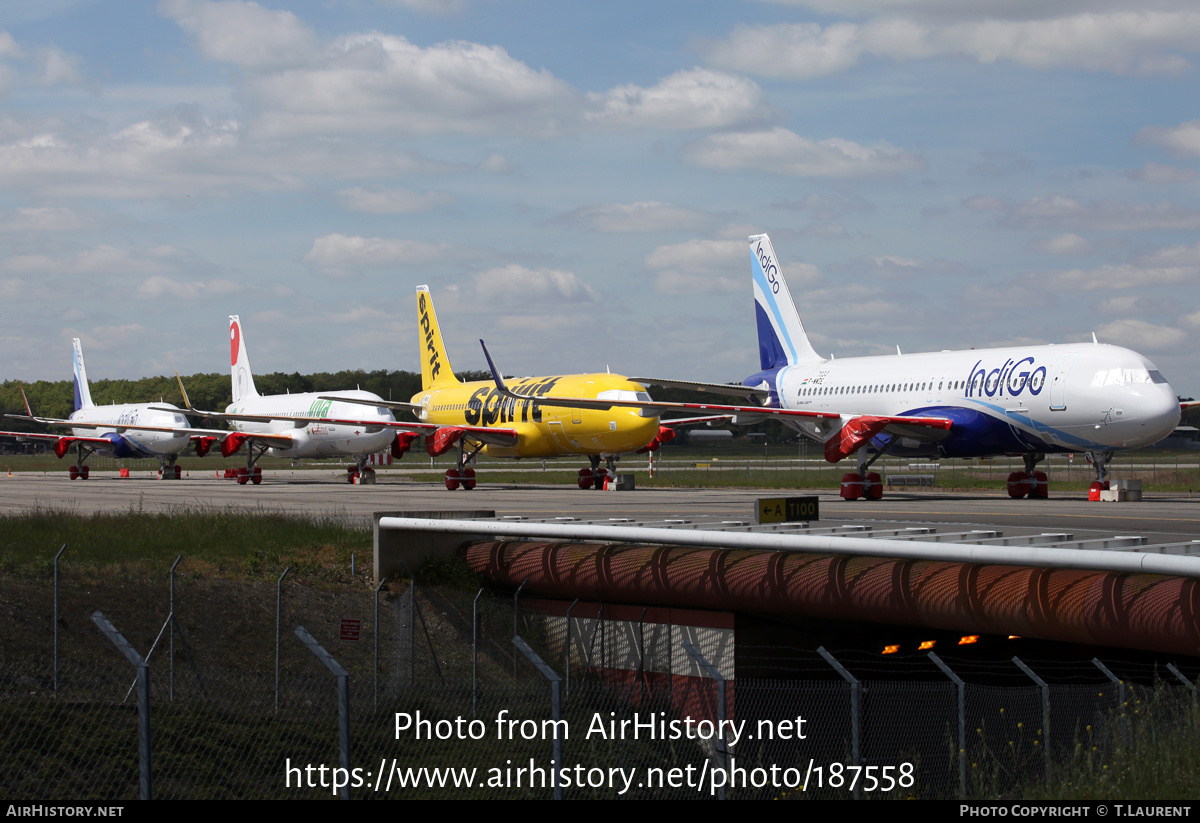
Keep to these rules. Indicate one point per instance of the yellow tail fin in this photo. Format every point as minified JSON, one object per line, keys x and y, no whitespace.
{"x":435,"y":365}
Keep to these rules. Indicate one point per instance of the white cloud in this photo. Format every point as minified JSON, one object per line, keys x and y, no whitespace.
{"x":518,"y":285}
{"x":339,"y":253}
{"x":650,"y":216}
{"x":1063,"y":244}
{"x":694,"y":99}
{"x":1099,"y":215}
{"x":98,"y":260}
{"x":785,"y":152}
{"x":702,"y":256}
{"x":243,"y":33}
{"x":159,"y":287}
{"x":1161,"y":175}
{"x":392,"y":201}
{"x":1181,"y":141}
{"x":45,"y":219}
{"x":55,"y":67}
{"x":1140,"y":335}
{"x":1120,"y":41}
{"x":496,"y":164}
{"x":374,"y":82}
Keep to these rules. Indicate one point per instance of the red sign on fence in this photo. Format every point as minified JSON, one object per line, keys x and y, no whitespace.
{"x":351,"y":629}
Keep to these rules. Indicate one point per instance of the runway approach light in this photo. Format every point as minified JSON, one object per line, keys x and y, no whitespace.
{"x":968,"y":640}
{"x":926,"y":644}
{"x":891,"y":649}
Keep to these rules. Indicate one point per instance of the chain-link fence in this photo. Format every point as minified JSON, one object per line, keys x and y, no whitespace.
{"x":441,"y":703}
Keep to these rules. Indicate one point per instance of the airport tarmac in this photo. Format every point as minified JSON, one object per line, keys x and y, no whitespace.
{"x":1162,"y":518}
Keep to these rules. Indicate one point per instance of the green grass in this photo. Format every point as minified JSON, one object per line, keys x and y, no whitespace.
{"x":233,"y":542}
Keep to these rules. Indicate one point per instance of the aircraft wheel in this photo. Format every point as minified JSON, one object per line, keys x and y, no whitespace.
{"x":600,"y":479}
{"x":468,"y":479}
{"x":1039,"y":486}
{"x":873,"y":486}
{"x":256,"y":476}
{"x":852,"y":486}
{"x":83,"y":472}
{"x":452,"y":479}
{"x":1095,"y":489}
{"x":73,"y":472}
{"x":351,"y":473}
{"x":179,"y":472}
{"x":243,"y":476}
{"x":1018,"y":485}
{"x":585,"y":478}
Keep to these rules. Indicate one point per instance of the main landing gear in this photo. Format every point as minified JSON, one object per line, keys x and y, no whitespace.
{"x":596,"y":477}
{"x":864,"y":484}
{"x":462,"y":475}
{"x":167,"y":470}
{"x":79,"y":470}
{"x":1031,"y":483}
{"x":251,"y":473}
{"x":360,"y":472}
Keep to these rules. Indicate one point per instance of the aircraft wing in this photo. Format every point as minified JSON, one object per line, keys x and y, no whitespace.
{"x":692,"y":421}
{"x":99,"y":441}
{"x":385,"y":404}
{"x":748,"y":392}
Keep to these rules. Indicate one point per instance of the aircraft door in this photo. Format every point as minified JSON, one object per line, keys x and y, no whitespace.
{"x":1058,"y":381}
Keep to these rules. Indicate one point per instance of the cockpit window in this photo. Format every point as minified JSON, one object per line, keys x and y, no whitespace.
{"x":1156,"y":376}
{"x":621,"y":394}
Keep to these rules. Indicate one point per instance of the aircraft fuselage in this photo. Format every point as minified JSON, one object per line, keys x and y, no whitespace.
{"x":1031,"y":399}
{"x":316,"y":440}
{"x":543,"y":430}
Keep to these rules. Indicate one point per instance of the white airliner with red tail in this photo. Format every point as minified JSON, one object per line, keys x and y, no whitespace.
{"x":310,"y":425}
{"x":1025,"y":400}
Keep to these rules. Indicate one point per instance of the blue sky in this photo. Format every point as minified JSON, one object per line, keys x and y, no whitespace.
{"x":575,"y":182}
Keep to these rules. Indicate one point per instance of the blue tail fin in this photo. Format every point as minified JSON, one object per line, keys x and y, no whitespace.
{"x":781,"y":338}
{"x":83,"y":395}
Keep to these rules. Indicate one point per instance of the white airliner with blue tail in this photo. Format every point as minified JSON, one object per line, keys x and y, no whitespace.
{"x":1025,"y":400}
{"x":130,"y":430}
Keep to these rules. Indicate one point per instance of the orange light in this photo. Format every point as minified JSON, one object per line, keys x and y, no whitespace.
{"x":1014,"y":637}
{"x":968,"y":640}
{"x":891,"y":649}
{"x":926,"y":644}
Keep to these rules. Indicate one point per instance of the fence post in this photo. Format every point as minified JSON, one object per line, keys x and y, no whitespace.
{"x":567,"y":656}
{"x":556,"y":707}
{"x":962,"y":722}
{"x":1120,"y":694}
{"x":855,"y":705}
{"x":343,"y":679}
{"x":382,"y":580}
{"x":412,"y":621}
{"x":278,"y":613}
{"x":475,"y":650}
{"x":712,"y":672}
{"x":60,"y":551}
{"x":171,"y":649}
{"x":1045,"y":710}
{"x":516,"y":631}
{"x":143,"y":690}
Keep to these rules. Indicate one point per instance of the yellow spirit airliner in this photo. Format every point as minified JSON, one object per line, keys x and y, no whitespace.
{"x":484,"y":417}
{"x":479,"y":417}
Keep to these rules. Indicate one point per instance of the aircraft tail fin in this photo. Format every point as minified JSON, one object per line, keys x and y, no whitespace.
{"x":781,"y":337}
{"x":83,"y":394}
{"x":239,"y":363}
{"x":435,"y":365}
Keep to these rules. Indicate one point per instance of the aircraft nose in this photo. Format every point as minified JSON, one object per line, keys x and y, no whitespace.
{"x":1159,"y":411}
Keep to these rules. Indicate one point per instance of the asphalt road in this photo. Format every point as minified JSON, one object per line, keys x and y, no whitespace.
{"x":1161,"y":517}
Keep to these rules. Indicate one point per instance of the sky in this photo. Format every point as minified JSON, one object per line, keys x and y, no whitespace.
{"x":575,"y":182}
